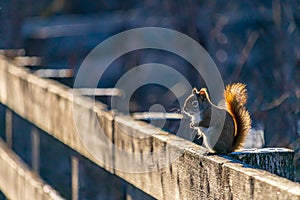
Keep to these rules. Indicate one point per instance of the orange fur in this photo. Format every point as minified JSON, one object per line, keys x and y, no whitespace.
{"x":235,"y":98}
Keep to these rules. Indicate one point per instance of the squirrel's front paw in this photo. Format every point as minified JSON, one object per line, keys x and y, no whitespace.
{"x":192,"y":125}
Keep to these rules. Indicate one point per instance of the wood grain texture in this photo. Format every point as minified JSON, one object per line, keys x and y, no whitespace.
{"x":18,"y":181}
{"x":158,"y":163}
{"x":275,"y":160}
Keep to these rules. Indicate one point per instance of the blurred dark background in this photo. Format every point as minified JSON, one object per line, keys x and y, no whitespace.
{"x":254,"y":42}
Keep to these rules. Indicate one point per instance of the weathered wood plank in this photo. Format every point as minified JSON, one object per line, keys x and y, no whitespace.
{"x":12,"y":53}
{"x":54,"y":73}
{"x":28,"y":61}
{"x":191,"y":173}
{"x":75,"y":177}
{"x":8,"y":127}
{"x":97,"y":91}
{"x":244,"y":182}
{"x":161,"y":164}
{"x":18,"y":182}
{"x":35,"y":149}
{"x":156,"y":115}
{"x":275,"y":160}
{"x":133,"y":193}
{"x":54,"y":109}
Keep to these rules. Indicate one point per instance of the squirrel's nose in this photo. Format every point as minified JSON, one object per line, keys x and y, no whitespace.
{"x":185,"y":109}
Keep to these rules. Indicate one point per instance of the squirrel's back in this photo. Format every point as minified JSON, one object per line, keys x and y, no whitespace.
{"x":235,"y":96}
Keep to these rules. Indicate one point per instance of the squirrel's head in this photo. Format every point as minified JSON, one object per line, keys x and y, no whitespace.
{"x":197,"y":102}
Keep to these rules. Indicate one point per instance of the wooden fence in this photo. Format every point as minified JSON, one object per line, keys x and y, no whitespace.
{"x":183,"y":170}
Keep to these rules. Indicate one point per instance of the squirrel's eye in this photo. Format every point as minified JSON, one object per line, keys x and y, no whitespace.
{"x":195,"y":104}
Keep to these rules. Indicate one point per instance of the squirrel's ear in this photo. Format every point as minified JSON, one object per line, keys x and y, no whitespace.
{"x":195,"y":91}
{"x":203,"y":93}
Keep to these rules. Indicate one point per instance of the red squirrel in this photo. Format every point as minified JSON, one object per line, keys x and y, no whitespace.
{"x":237,"y":121}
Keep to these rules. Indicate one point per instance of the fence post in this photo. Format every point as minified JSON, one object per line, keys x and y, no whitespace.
{"x":35,"y":151}
{"x":75,"y":177}
{"x":8,"y":127}
{"x":275,"y":160}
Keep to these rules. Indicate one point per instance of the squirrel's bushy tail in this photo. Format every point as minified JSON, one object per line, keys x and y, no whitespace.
{"x":235,"y":98}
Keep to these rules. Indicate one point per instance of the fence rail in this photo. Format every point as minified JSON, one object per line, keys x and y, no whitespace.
{"x":18,"y":181}
{"x":190,"y":173}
